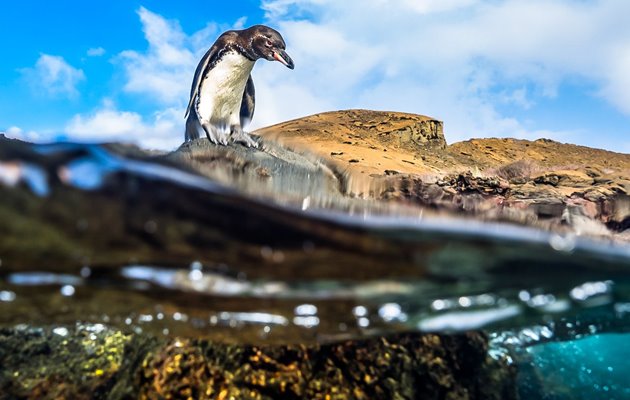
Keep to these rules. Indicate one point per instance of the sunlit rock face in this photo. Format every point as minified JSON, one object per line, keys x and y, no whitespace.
{"x":404,"y":157}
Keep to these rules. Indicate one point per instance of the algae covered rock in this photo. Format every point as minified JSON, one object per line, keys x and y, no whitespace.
{"x":81,"y":362}
{"x":95,"y":362}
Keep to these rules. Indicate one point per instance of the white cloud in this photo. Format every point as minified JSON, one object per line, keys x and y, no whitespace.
{"x":517,"y":97}
{"x":617,"y":79}
{"x":96,"y":52}
{"x":16,"y":132}
{"x":456,"y":60}
{"x":164,"y":130}
{"x":433,"y":6}
{"x":165,"y":71}
{"x":240,"y":23}
{"x":54,"y":75}
{"x":275,"y":9}
{"x":277,"y":101}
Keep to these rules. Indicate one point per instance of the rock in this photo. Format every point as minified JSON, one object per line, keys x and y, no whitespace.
{"x":260,"y":173}
{"x":362,"y":135}
{"x":140,"y":208}
{"x":547,"y":179}
{"x":94,"y":361}
{"x":83,"y":362}
{"x":535,"y":180}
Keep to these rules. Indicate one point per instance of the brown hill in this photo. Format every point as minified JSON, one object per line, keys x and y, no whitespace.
{"x":408,"y":157}
{"x":412,"y":143}
{"x":365,"y":141}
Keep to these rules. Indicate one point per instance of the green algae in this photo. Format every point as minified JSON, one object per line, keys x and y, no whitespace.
{"x":97,"y":362}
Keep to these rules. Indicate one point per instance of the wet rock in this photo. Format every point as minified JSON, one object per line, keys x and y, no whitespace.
{"x":82,"y":362}
{"x":94,"y":361}
{"x":262,"y":173}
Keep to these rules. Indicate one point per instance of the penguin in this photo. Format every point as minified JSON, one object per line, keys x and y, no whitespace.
{"x":222,"y":95}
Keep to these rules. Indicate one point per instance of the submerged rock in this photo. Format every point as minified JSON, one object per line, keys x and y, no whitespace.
{"x":96,"y":362}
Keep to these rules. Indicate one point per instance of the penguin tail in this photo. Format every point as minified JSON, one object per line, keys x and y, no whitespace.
{"x":194,"y":129}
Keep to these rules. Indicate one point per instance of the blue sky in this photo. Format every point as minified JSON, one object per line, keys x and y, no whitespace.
{"x":521,"y":68}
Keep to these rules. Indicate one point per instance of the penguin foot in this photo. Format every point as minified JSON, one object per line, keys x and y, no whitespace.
{"x":242,"y":137}
{"x":214,"y":135}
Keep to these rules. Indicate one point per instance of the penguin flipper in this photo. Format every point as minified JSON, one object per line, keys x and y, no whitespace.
{"x":248,"y":102}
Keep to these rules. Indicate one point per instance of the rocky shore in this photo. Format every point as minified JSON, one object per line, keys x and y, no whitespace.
{"x":404,"y":157}
{"x":260,"y":214}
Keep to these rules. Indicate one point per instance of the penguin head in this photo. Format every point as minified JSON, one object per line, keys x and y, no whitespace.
{"x":267,"y":43}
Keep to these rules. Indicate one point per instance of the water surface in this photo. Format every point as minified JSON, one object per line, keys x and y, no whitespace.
{"x":96,"y":236}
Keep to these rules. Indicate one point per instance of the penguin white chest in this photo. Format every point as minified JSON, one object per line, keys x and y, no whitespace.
{"x":222,"y":90}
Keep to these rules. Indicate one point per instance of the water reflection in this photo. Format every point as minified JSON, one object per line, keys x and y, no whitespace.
{"x":12,"y":173}
{"x":7,"y":296}
{"x":87,"y":173}
{"x":67,"y":290}
{"x":43,"y":278}
{"x":310,"y":321}
{"x":392,"y":312}
{"x":234,"y":318}
{"x":467,"y":320}
{"x":306,"y":309}
{"x":593,"y":293}
{"x":150,"y":299}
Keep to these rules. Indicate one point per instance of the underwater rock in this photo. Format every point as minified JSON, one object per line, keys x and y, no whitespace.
{"x":82,"y":362}
{"x":96,"y":362}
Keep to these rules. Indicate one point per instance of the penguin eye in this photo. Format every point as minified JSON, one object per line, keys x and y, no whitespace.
{"x":268,"y":43}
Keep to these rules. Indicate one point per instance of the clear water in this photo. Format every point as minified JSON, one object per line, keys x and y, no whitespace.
{"x":587,"y":368}
{"x":201,"y":259}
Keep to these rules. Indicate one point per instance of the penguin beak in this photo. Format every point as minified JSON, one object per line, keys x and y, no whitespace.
{"x":283,"y":57}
